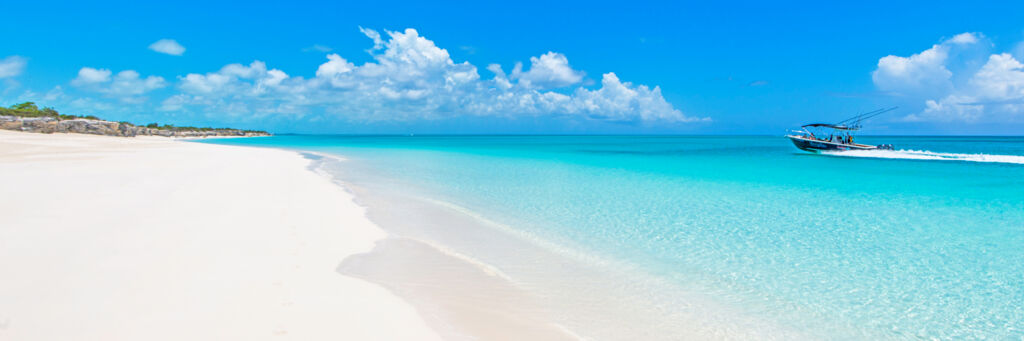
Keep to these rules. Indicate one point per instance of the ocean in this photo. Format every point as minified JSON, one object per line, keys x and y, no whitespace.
{"x":713,"y":236}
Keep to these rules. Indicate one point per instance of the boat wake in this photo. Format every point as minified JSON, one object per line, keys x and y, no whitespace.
{"x":928,"y":155}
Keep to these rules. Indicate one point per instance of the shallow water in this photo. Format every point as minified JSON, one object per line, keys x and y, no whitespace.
{"x":922,"y":242}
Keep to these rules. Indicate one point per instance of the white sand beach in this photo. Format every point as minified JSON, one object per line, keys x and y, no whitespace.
{"x":107,"y":238}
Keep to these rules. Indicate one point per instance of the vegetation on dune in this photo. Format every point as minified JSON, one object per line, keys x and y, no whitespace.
{"x":30,"y":109}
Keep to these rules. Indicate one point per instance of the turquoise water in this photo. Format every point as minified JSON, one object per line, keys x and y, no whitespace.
{"x":923,"y":242}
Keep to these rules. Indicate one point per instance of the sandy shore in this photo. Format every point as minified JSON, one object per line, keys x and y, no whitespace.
{"x":108,"y":238}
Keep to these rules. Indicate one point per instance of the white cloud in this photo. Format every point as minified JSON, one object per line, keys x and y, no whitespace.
{"x":996,"y":90}
{"x":88,"y":75}
{"x":411,"y":78}
{"x":234,"y":80}
{"x":377,"y":41}
{"x":500,"y":79}
{"x":1001,"y":79}
{"x":993,"y":92}
{"x":12,"y":66}
{"x":335,"y":65}
{"x":127,"y":85}
{"x":167,"y":46}
{"x":964,"y":38}
{"x":550,"y":70}
{"x":622,"y":101}
{"x":924,"y":73}
{"x":238,"y":89}
{"x":950,"y":108}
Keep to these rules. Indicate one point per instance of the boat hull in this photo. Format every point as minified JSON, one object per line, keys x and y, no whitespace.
{"x":817,"y":146}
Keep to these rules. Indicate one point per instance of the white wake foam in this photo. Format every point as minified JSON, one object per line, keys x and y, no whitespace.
{"x":928,"y":155}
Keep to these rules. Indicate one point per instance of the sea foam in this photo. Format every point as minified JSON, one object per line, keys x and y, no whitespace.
{"x":929,"y":155}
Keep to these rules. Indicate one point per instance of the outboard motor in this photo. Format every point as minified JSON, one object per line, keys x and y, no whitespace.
{"x":886,"y":147}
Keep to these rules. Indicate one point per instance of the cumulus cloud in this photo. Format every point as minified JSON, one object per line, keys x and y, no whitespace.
{"x":923,"y":73}
{"x":410,"y":77}
{"x":550,"y":70}
{"x":500,"y":79}
{"x":978,"y":87}
{"x":12,"y":66}
{"x":88,"y":76}
{"x":964,"y":38}
{"x":622,"y":101}
{"x":126,"y":85}
{"x":235,"y":79}
{"x":996,"y":91}
{"x":334,"y":66}
{"x":242,"y":82}
{"x":238,"y":89}
{"x":167,"y":46}
{"x":1000,"y":80}
{"x":130,"y":83}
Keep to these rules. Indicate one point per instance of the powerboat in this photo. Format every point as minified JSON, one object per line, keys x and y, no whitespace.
{"x":830,"y":137}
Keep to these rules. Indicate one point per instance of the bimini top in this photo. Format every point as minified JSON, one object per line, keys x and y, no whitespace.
{"x":852,"y":123}
{"x":828,"y":125}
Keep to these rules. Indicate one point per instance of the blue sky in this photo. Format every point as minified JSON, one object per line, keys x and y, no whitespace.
{"x":674,"y":68}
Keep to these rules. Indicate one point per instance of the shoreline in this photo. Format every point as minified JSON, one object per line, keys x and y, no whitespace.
{"x":152,"y":238}
{"x":559,"y":291}
{"x":458,"y":296}
{"x":450,"y":264}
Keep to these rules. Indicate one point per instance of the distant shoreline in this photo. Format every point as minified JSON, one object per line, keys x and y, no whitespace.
{"x":28,"y":117}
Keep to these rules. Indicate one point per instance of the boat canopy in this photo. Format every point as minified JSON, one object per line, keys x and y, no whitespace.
{"x":852,"y":123}
{"x":828,"y":125}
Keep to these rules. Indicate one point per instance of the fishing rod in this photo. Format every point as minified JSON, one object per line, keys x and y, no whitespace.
{"x":857,"y":119}
{"x":866,"y":115}
{"x":859,"y":115}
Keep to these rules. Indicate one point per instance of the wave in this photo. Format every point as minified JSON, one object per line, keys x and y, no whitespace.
{"x":929,"y":155}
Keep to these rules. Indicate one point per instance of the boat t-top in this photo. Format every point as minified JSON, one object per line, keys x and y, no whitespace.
{"x":819,"y":137}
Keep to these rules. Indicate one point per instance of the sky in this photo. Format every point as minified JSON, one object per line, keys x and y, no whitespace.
{"x":522,"y":67}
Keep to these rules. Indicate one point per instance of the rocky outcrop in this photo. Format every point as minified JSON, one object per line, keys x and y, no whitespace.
{"x":49,"y":125}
